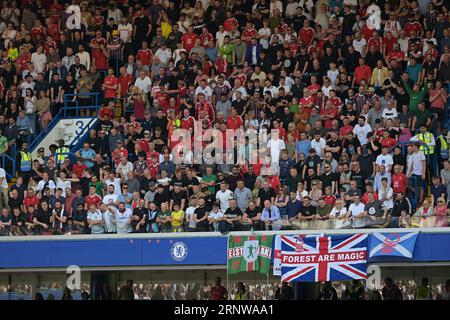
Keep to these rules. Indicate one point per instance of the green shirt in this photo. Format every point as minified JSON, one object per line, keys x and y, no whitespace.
{"x":210,"y":178}
{"x":323,"y":211}
{"x":415,"y":97}
{"x":422,"y":117}
{"x":5,"y":219}
{"x":3,"y":144}
{"x":239,"y":51}
{"x":98,"y":188}
{"x":227,"y":52}
{"x":165,"y":226}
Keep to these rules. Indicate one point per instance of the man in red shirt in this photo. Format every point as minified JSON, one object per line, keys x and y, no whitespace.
{"x":307,"y":101}
{"x":145,"y":55}
{"x":110,"y":85}
{"x":375,"y":41}
{"x":230,"y":22}
{"x":387,"y":140}
{"x":92,"y":198}
{"x":362,"y":72}
{"x":395,"y":54}
{"x":399,"y":180}
{"x":188,"y":121}
{"x":124,"y":81}
{"x":205,"y":37}
{"x":388,"y":43}
{"x":204,"y":105}
{"x":328,"y":114}
{"x":248,"y":33}
{"x":234,"y":121}
{"x":218,"y":292}
{"x":345,"y":129}
{"x":119,"y":152}
{"x":31,"y":199}
{"x":413,"y":28}
{"x":79,"y":167}
{"x":189,"y":39}
{"x":98,"y":51}
{"x":306,"y":33}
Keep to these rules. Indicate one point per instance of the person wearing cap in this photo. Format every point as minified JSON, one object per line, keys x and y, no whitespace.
{"x":114,"y":47}
{"x":164,"y":53}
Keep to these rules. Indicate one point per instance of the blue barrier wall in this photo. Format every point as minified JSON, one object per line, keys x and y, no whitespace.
{"x":169,"y":251}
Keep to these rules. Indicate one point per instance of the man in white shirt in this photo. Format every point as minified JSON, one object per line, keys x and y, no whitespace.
{"x":111,"y":197}
{"x":164,"y":53}
{"x":143,"y":82}
{"x":85,"y":58}
{"x":125,"y":30}
{"x":318,"y":144}
{"x":361,"y":130}
{"x":3,"y":189}
{"x":223,"y":196}
{"x":416,"y":167}
{"x":123,"y":218}
{"x":95,"y":220}
{"x":384,"y":159}
{"x":220,"y":35}
{"x":109,"y":220}
{"x":275,"y":145}
{"x":205,"y":89}
{"x":39,"y":59}
{"x":359,"y":43}
{"x":356,"y":212}
{"x":46,"y":182}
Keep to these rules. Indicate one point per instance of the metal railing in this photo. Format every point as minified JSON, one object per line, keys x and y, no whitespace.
{"x":75,"y":100}
{"x":9,"y":162}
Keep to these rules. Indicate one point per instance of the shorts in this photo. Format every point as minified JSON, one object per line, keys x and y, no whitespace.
{"x":421,"y":183}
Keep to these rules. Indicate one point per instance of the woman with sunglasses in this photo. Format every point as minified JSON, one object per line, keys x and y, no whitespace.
{"x":440,"y":213}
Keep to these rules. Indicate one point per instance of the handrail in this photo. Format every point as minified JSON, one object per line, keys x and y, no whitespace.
{"x":77,"y":107}
{"x":38,"y":139}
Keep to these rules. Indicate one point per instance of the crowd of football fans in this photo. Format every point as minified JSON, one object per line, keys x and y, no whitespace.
{"x":352,"y":93}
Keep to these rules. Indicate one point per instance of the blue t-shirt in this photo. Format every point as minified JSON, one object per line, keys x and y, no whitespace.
{"x":89,"y":154}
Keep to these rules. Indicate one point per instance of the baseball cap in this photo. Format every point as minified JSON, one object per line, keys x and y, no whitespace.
{"x":115,"y":32}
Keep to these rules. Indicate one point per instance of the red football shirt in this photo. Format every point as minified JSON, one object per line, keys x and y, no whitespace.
{"x":189,"y":40}
{"x":110,"y":81}
{"x":93,"y":200}
{"x":145,"y":56}
{"x":399,"y":182}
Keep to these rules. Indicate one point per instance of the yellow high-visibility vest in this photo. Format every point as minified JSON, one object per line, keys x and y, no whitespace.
{"x":427,"y":138}
{"x":61,"y":154}
{"x":25,"y":161}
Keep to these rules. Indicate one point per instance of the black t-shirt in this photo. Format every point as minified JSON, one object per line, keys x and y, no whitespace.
{"x":43,"y":216}
{"x":374,"y":209}
{"x":251,"y":213}
{"x":360,"y":178}
{"x":16,"y":219}
{"x":178,"y":197}
{"x":80,"y":216}
{"x":233,"y":213}
{"x":69,"y":87}
{"x":266,"y":195}
{"x":161,"y":197}
{"x":15,"y":203}
{"x":311,"y":162}
{"x":200,"y":212}
{"x":333,"y":144}
{"x":139,"y":212}
{"x":308,"y":211}
{"x":328,"y":179}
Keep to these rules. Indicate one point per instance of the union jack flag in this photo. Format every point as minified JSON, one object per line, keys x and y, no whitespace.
{"x":329,"y":258}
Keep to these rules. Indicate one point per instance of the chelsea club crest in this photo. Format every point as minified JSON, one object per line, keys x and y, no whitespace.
{"x":179,"y":251}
